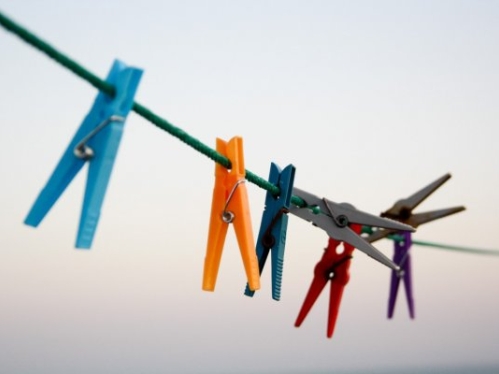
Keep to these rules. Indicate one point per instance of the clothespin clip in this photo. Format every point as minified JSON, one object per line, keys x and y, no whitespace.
{"x":334,"y":267}
{"x":230,"y":205}
{"x":402,"y":257}
{"x":401,"y":211}
{"x":96,"y":141}
{"x":272,"y":235}
{"x":335,"y":218}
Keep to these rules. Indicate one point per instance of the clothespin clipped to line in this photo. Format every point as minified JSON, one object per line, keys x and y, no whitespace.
{"x":272,"y":234}
{"x":402,"y":211}
{"x":96,"y":142}
{"x":402,"y":257}
{"x":335,"y":218}
{"x":342,"y":223}
{"x":333,"y":267}
{"x":230,"y":205}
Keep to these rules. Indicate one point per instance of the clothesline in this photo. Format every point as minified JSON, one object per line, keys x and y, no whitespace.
{"x":138,"y":108}
{"x":173,"y":130}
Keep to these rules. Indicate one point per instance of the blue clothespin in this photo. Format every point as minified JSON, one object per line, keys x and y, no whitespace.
{"x":96,"y":141}
{"x":274,"y":224}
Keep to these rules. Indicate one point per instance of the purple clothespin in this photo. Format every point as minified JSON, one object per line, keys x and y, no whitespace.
{"x":402,"y":211}
{"x":402,"y":258}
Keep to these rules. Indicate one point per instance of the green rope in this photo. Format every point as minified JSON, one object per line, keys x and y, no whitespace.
{"x":180,"y":134}
{"x":490,"y":252}
{"x":141,"y":110}
{"x":399,"y":238}
{"x":53,"y":53}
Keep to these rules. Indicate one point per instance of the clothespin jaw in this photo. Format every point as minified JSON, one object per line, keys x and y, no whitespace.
{"x":402,"y":210}
{"x":333,"y":267}
{"x":272,"y":234}
{"x":419,"y":218}
{"x":96,"y":141}
{"x":230,"y":205}
{"x":402,"y":257}
{"x":335,"y":218}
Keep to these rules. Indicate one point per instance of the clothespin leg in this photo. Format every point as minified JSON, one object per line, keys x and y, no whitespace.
{"x":408,"y":273}
{"x":62,"y":176}
{"x":277,"y":268}
{"x":336,"y":293}
{"x":99,"y":174}
{"x":394,"y":286}
{"x":244,"y":233}
{"x":408,"y":285}
{"x":337,"y":287}
{"x":262,"y":254}
{"x":339,"y":282}
{"x":316,"y":287}
{"x":216,"y":238}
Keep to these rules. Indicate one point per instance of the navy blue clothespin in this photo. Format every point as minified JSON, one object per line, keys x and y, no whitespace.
{"x":96,"y":141}
{"x":272,"y":235}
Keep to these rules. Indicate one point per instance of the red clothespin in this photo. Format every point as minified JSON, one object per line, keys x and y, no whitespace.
{"x":230,"y":205}
{"x":334,"y":267}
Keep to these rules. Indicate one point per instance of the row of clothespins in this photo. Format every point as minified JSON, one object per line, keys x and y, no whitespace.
{"x":97,"y":141}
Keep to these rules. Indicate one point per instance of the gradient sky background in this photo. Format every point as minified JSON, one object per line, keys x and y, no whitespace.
{"x":369,"y":100}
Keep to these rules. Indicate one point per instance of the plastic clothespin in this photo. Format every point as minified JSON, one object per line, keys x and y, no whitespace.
{"x":402,"y":257}
{"x":96,"y":141}
{"x":335,"y":218}
{"x":272,"y":235}
{"x":334,"y":267}
{"x":230,"y":205}
{"x":402,"y":211}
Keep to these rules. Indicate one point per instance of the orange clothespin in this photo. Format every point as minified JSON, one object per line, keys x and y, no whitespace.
{"x":230,"y":205}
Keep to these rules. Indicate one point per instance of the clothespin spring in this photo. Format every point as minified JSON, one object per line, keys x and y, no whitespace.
{"x":82,"y":150}
{"x":401,"y":272}
{"x":227,"y":215}
{"x":330,"y":272}
{"x":268,"y":239}
{"x":341,"y":220}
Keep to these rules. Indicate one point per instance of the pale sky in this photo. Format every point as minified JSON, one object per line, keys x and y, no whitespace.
{"x":370,"y":101}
